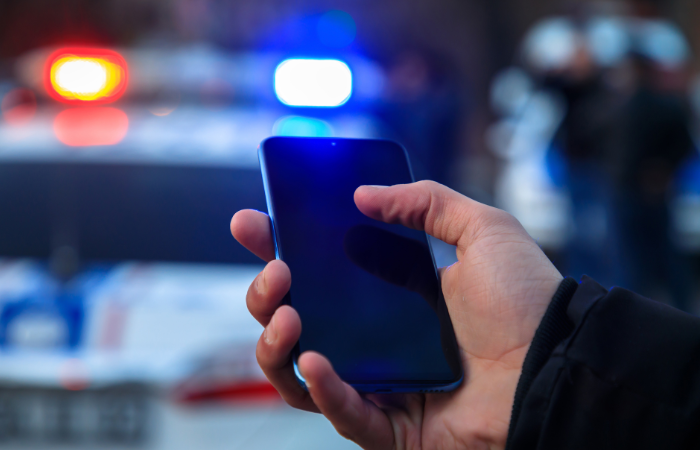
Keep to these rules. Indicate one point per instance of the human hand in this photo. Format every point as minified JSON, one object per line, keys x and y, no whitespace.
{"x":496,"y":294}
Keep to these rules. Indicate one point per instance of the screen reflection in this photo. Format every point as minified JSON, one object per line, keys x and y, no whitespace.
{"x":406,"y":263}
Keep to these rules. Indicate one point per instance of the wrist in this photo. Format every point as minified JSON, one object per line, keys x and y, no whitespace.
{"x":554,"y":327}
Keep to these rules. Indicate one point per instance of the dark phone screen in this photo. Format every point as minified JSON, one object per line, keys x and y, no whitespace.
{"x":367,"y":292}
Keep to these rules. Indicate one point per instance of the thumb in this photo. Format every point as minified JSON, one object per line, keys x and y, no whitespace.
{"x":430,"y":206}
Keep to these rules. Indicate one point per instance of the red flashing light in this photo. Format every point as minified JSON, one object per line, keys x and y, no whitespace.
{"x":81,"y":75}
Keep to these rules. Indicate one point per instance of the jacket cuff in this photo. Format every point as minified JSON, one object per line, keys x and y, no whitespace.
{"x":554,"y":328}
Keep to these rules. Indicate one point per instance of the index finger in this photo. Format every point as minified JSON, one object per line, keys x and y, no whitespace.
{"x":253,"y":230}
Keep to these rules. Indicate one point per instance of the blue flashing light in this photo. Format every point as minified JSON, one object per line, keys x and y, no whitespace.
{"x":336,"y":29}
{"x":313,"y":82}
{"x":302,"y":127}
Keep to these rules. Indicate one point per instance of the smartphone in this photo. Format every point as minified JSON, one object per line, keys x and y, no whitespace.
{"x":368,"y":293}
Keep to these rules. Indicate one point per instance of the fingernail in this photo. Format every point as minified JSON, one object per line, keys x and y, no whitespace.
{"x":375,"y":186}
{"x":270,"y":334}
{"x":261,"y":282}
{"x":306,"y":380}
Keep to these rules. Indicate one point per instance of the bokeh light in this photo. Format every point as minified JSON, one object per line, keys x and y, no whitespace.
{"x":313,"y":82}
{"x":302,"y":127}
{"x":664,"y":43}
{"x":510,"y":91}
{"x":79,"y":75}
{"x":79,"y":127}
{"x":164,"y":103}
{"x":607,"y":40}
{"x":550,"y":44}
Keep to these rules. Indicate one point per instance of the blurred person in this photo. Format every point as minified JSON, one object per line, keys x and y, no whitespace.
{"x":585,"y":139}
{"x":654,"y":142}
{"x":564,"y":55}
{"x":549,"y":363}
{"x":623,"y":137}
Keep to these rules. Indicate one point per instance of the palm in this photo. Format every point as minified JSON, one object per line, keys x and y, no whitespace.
{"x":494,"y":322}
{"x":496,"y":294}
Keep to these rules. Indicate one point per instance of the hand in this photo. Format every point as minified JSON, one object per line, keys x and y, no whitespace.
{"x":496,"y":294}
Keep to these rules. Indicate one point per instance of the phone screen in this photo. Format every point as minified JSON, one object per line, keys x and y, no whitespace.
{"x":367,"y":292}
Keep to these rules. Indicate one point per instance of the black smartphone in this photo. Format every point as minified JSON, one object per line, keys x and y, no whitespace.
{"x":368,"y":293}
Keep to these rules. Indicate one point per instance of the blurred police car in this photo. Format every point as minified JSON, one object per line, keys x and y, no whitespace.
{"x":122,"y":293}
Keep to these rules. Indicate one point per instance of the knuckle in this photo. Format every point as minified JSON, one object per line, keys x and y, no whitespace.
{"x":496,"y":221}
{"x":501,"y":216}
{"x":265,"y":354}
{"x":350,"y":423}
{"x":251,"y":296}
{"x":489,"y":216}
{"x":505,"y":219}
{"x":272,"y":356}
{"x":427,"y":184}
{"x":258,"y":311}
{"x":346,"y":434}
{"x":260,"y":353}
{"x":297,"y":399}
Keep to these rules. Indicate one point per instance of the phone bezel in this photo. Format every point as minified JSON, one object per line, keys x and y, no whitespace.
{"x":397,"y":386}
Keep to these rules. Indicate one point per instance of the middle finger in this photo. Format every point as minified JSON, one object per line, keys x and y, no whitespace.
{"x":267,"y":291}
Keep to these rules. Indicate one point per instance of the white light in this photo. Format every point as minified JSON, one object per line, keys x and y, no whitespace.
{"x":510,"y":91}
{"x":313,"y":82}
{"x":80,"y":76}
{"x":663,"y":42}
{"x":608,"y":40}
{"x":551,"y":44}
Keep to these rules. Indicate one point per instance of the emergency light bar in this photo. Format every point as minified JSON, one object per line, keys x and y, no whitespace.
{"x":313,"y":82}
{"x":77,"y":75}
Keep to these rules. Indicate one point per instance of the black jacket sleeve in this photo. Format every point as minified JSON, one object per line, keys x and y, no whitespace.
{"x":609,"y":370}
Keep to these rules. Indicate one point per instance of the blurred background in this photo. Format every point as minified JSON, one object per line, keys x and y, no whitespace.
{"x":128,"y":136}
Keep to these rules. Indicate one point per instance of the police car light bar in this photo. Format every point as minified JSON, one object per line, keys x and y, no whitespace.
{"x":313,"y":82}
{"x":78,"y":75}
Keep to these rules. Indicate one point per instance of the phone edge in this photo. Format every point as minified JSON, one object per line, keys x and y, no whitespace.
{"x":271,"y":215}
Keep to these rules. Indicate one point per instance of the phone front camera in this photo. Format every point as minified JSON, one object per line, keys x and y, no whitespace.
{"x":332,"y":143}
